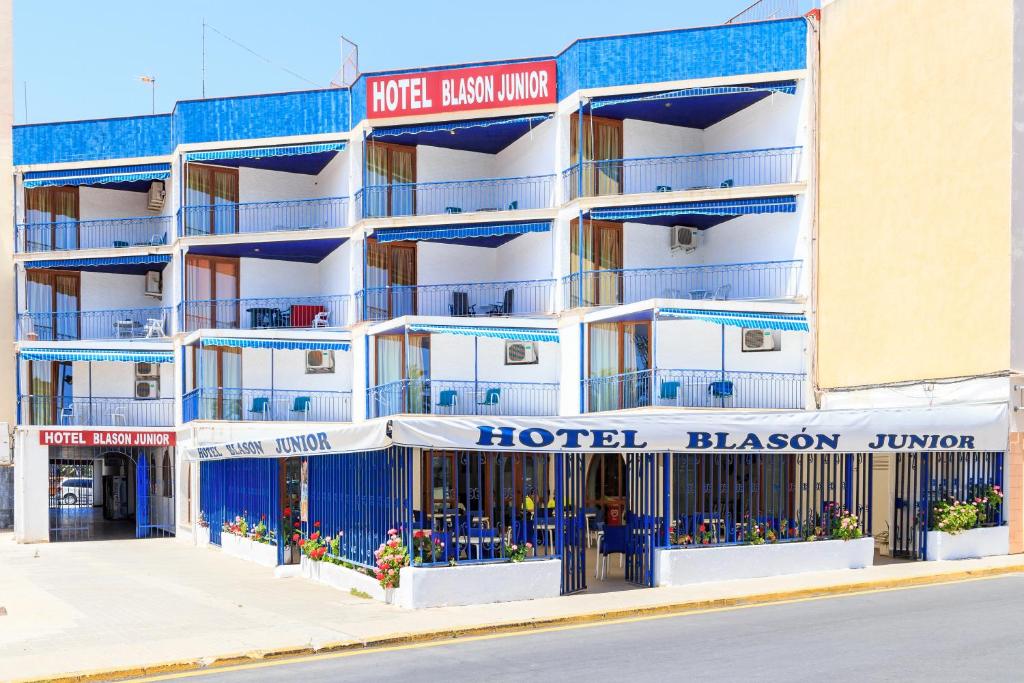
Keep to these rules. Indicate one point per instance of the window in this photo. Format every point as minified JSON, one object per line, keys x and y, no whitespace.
{"x":212,"y":197}
{"x":52,"y":214}
{"x":51,"y":397}
{"x":218,"y":370}
{"x":600,"y":282}
{"x":395,"y":363}
{"x":390,"y":179}
{"x":602,"y":148}
{"x":167,"y":476}
{"x":54,"y":303}
{"x":390,"y":279}
{"x":619,"y":363}
{"x":211,"y":292}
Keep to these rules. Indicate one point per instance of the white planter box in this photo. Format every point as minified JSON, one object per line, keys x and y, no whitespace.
{"x":246,"y":549}
{"x":343,"y":578}
{"x":981,"y":542}
{"x":677,"y":567}
{"x":202,"y":535}
{"x":478,"y":584}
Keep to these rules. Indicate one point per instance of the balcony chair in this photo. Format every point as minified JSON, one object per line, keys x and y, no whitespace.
{"x":669,"y":391}
{"x":505,"y":307}
{"x":453,"y":209}
{"x":663,"y":188}
{"x":155,"y":327}
{"x":460,"y":305}
{"x":260,"y":406}
{"x":720,"y":388}
{"x":321,"y":319}
{"x":728,"y":182}
{"x":67,"y":415}
{"x":513,"y":205}
{"x":118,"y":413}
{"x":448,"y":398}
{"x":613,"y":542}
{"x":301,"y":406}
{"x":120,"y":244}
{"x":491,"y":398}
{"x":125,"y":328}
{"x":719,"y":293}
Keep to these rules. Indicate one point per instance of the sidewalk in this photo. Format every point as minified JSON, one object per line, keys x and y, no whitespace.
{"x":132,"y":605}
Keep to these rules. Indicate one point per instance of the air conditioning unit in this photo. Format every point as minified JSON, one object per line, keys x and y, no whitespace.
{"x":147,"y":389}
{"x":155,"y":198}
{"x":758,"y":340}
{"x":684,"y":238}
{"x":319,"y":361}
{"x":147,"y":371}
{"x":520,"y":353}
{"x":154,"y":283}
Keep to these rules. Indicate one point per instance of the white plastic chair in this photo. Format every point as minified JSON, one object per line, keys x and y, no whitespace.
{"x":321,"y":319}
{"x":155,"y":327}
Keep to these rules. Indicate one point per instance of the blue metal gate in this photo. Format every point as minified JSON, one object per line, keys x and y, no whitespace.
{"x":570,"y":520}
{"x":245,"y":487}
{"x":644,"y":492}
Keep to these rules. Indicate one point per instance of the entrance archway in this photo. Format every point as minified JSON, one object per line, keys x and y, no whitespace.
{"x":606,"y":487}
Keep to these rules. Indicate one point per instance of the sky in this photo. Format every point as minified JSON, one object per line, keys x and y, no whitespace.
{"x":82,"y":59}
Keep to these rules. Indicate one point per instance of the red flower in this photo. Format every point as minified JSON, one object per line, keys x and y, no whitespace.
{"x":263,"y":516}
{"x":316,"y":525}
{"x":296,"y":538}
{"x":702,"y":528}
{"x":418,"y":534}
{"x":314,"y":536}
{"x":287,"y":512}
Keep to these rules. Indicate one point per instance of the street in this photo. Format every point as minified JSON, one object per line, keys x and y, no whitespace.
{"x":950,"y":631}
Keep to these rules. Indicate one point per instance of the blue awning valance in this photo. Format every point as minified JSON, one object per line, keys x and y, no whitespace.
{"x":785,"y":87}
{"x":721,"y":207}
{"x":489,"y":136}
{"x":115,"y":355}
{"x":277,"y":344}
{"x":459,"y":232}
{"x":97,"y":176}
{"x":100,"y":263}
{"x":768,"y":321}
{"x":264,"y":152}
{"x":513,"y":333}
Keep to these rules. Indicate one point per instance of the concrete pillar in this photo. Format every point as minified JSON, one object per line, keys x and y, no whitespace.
{"x":31,"y":488}
{"x":1013,"y":485}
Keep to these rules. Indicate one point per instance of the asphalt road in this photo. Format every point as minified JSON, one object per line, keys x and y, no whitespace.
{"x":972,"y":630}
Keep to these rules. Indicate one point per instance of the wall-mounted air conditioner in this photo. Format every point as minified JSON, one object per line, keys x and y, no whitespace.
{"x":684,"y":238}
{"x":147,"y":370}
{"x":520,"y":353}
{"x":758,"y":340}
{"x":154,"y":283}
{"x":156,"y":195}
{"x":147,"y":389}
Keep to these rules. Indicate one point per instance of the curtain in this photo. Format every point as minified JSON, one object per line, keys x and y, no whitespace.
{"x":198,"y":189}
{"x":225,"y":201}
{"x":635,"y":363}
{"x":211,"y":292}
{"x":66,"y":305}
{"x":608,"y":250}
{"x":40,"y":392}
{"x":375,"y":200}
{"x":54,"y":211}
{"x":388,"y":369}
{"x":603,"y":356}
{"x":65,"y":217}
{"x":418,"y":372}
{"x":608,"y":153}
{"x":377,"y":280}
{"x":213,"y":191}
{"x":403,"y":279}
{"x":225,"y":291}
{"x":53,"y":301}
{"x":403,"y":175}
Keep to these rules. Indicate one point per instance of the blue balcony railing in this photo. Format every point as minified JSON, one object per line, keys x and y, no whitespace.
{"x":695,"y":389}
{"x":105,"y":233}
{"x":504,"y":298}
{"x":461,"y":397}
{"x":117,"y":323}
{"x":296,"y":312}
{"x":769,"y":166}
{"x":456,"y":196}
{"x":765,"y":280}
{"x":276,"y":216}
{"x":96,"y":411}
{"x":267,"y":405}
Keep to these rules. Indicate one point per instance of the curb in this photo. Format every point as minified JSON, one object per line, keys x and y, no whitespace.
{"x":691,"y":606}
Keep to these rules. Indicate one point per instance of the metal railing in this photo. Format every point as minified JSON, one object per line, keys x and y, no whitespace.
{"x":503,"y":298}
{"x":695,"y":389}
{"x":118,"y":323}
{"x":103,"y":233}
{"x":456,"y":196}
{"x":461,"y":397}
{"x":768,"y":166}
{"x":295,"y":312}
{"x":771,"y":280}
{"x":766,"y":10}
{"x":96,"y":411}
{"x":267,"y":405}
{"x":273,"y":216}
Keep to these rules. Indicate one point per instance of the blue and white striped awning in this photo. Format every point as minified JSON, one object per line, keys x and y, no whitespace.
{"x":277,"y":344}
{"x":459,"y":232}
{"x":785,"y":87}
{"x":265,"y":152}
{"x":769,"y":321}
{"x":82,"y":263}
{"x":97,"y":176}
{"x":119,"y":356}
{"x":399,"y":131}
{"x":720,"y":207}
{"x":513,"y":333}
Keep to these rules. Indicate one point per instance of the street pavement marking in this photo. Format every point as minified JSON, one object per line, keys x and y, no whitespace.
{"x":526,"y":631}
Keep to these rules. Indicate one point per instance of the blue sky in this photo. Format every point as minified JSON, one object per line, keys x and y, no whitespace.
{"x":83,"y":59}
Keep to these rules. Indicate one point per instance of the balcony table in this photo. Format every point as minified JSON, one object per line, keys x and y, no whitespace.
{"x":125,"y":329}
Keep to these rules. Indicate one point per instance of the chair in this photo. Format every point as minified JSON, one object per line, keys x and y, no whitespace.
{"x":663,"y":188}
{"x":117,"y":413}
{"x":120,"y":244}
{"x":301,"y":406}
{"x":613,"y":541}
{"x":491,"y":398}
{"x":513,"y":205}
{"x":260,"y":406}
{"x":728,"y":182}
{"x":448,"y":398}
{"x":321,"y":319}
{"x":720,"y":293}
{"x":669,"y":391}
{"x":505,"y":307}
{"x":460,"y":305}
{"x":720,"y":389}
{"x":67,"y":415}
{"x":453,"y":209}
{"x":155,"y":327}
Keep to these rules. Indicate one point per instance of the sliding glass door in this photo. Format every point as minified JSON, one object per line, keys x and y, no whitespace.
{"x":602,"y":155}
{"x":394,"y":363}
{"x":211,"y":292}
{"x":53,"y":215}
{"x":600,"y":281}
{"x":218,"y":375}
{"x":619,"y":364}
{"x":54,"y":302}
{"x":390,"y":279}
{"x":390,"y":179}
{"x":212,"y":191}
{"x":51,"y":395}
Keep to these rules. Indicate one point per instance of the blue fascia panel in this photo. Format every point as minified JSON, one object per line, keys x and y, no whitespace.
{"x":67,"y":141}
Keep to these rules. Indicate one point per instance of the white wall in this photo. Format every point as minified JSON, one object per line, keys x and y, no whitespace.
{"x":691,"y":344}
{"x":772,"y":122}
{"x":289,"y":371}
{"x":95,"y":202}
{"x":530,"y":154}
{"x":439,"y":163}
{"x":266,"y":278}
{"x":31,"y":488}
{"x":647,"y":139}
{"x":115,"y":380}
{"x":257,"y":185}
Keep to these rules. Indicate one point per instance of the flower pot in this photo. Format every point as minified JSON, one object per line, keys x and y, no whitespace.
{"x":981,"y":542}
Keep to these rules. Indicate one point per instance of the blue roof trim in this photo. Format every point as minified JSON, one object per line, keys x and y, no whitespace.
{"x":723,"y":207}
{"x":97,"y":176}
{"x":786,"y":87}
{"x":113,"y":355}
{"x":767,"y":321}
{"x":265,"y":152}
{"x":512,"y":333}
{"x":99,"y":262}
{"x":460,"y":232}
{"x":277,"y":344}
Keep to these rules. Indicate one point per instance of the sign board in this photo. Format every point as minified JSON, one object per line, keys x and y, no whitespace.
{"x":99,"y":437}
{"x":467,"y":89}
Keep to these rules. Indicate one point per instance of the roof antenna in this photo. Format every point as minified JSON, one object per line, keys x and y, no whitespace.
{"x":349,"y":71}
{"x":24,"y":99}
{"x":204,"y":58}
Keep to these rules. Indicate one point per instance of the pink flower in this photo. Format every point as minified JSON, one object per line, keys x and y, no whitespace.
{"x":392,"y":532}
{"x":529,"y":545}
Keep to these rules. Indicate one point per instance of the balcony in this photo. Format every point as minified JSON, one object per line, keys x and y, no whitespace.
{"x":271,"y":216}
{"x":504,"y":298}
{"x":119,"y":323}
{"x":459,"y":397}
{"x":266,"y":405}
{"x":695,"y":389}
{"x":294,"y":312}
{"x":105,"y":233}
{"x":760,"y":280}
{"x":456,"y":196}
{"x":96,"y":411}
{"x":771,"y":166}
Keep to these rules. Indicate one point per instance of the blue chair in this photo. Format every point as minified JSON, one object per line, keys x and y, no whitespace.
{"x":491,"y":398}
{"x":448,"y":398}
{"x":720,"y":389}
{"x":663,"y":188}
{"x":669,"y":391}
{"x":613,"y":541}
{"x":301,"y":406}
{"x":453,"y":209}
{"x":728,"y":182}
{"x":513,"y":205}
{"x":260,"y":406}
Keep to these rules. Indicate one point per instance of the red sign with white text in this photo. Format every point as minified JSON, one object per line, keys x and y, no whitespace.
{"x":466,"y":89}
{"x":62,"y":437}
